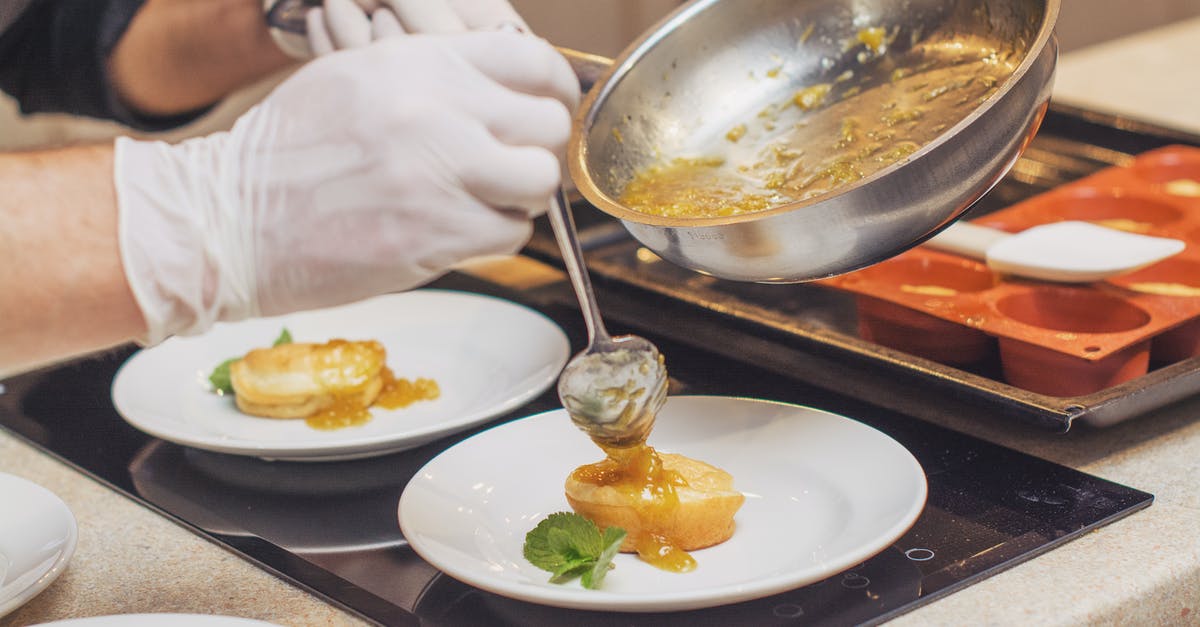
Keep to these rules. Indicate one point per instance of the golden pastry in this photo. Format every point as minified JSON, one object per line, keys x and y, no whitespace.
{"x":667,"y":503}
{"x":299,"y":380}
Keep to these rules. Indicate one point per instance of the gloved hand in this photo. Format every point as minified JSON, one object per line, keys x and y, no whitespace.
{"x":343,"y":24}
{"x":335,"y":25}
{"x":444,"y":16}
{"x":365,"y":172}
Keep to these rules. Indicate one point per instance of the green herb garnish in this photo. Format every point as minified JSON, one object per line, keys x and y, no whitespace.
{"x":219,"y":378}
{"x":285,"y":337}
{"x":569,"y":545}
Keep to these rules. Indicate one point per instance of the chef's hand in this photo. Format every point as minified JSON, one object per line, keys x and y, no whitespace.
{"x":445,"y":16}
{"x":365,"y":172}
{"x":334,"y":25}
{"x":337,"y":28}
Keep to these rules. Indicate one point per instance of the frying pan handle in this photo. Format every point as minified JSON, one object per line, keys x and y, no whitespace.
{"x":588,"y":67}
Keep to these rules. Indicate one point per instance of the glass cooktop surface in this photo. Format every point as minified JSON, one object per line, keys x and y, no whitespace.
{"x":331,"y":527}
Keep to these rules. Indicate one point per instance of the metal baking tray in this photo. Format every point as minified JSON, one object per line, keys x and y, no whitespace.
{"x":811,"y":332}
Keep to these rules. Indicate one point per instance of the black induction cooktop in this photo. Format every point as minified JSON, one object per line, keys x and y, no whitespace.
{"x":331,"y":527}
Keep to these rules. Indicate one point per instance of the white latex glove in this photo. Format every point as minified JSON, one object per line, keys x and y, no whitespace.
{"x":329,"y":32}
{"x":340,"y":25}
{"x":335,"y":25}
{"x":452,"y":16}
{"x":365,"y":172}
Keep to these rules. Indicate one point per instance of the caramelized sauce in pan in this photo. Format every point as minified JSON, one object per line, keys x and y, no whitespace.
{"x":828,"y":135}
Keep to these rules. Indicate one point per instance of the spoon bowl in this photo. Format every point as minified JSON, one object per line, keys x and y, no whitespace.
{"x":612,"y":389}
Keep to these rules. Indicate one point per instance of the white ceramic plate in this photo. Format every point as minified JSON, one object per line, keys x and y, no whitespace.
{"x":823,"y":493}
{"x":159,"y":620}
{"x":488,"y":356}
{"x":37,"y":539}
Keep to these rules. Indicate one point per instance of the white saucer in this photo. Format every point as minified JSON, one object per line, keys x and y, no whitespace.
{"x":823,"y":493}
{"x":489,"y":356}
{"x":37,"y":539}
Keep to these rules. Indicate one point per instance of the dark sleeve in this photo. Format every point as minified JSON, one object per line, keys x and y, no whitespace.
{"x":54,"y":58}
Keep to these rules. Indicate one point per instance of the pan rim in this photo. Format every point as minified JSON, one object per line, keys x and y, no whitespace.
{"x":578,"y":151}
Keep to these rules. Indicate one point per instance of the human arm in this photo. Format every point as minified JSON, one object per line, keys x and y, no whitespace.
{"x":181,"y":55}
{"x":62,"y":288}
{"x":148,"y":64}
{"x":53,"y":58}
{"x":338,"y":186}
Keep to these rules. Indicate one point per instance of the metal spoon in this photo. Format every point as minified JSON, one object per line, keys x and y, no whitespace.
{"x":615,"y":387}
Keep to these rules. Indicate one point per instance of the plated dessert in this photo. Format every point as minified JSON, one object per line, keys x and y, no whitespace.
{"x":444,"y":336}
{"x":329,"y":385}
{"x":636,"y":500}
{"x":668,"y":504}
{"x":822,"y":493}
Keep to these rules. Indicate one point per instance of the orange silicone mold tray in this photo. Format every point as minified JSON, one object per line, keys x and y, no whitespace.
{"x":1054,"y":339}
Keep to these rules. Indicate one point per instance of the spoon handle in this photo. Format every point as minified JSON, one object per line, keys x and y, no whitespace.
{"x":563,"y":225}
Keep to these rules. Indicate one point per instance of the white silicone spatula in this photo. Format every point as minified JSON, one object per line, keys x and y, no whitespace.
{"x":1063,"y":252}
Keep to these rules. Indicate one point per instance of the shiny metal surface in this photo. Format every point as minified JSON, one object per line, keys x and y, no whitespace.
{"x":702,"y":70}
{"x":615,"y":387}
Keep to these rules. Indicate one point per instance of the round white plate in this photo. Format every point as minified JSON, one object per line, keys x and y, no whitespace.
{"x":37,"y":538}
{"x":159,"y":620}
{"x":823,"y":493}
{"x":488,"y":355}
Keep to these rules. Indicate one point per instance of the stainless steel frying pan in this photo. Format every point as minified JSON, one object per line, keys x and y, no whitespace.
{"x":717,"y":65}
{"x":964,"y":82}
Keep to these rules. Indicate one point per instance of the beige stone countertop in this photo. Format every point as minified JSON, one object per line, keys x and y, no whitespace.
{"x":131,"y":560}
{"x":1151,"y":76}
{"x":1141,"y":570}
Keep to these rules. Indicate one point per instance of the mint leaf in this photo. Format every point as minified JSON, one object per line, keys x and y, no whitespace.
{"x":569,"y":545}
{"x":571,"y":570}
{"x":550,"y":544}
{"x":613,"y":537}
{"x":575,"y":536}
{"x":220,"y":377}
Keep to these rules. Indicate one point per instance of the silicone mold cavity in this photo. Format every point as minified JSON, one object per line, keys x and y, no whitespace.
{"x":1059,"y":340}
